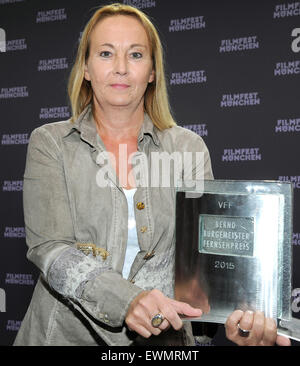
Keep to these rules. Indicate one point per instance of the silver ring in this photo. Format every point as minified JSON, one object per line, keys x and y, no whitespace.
{"x":157,"y":320}
{"x":243,"y":332}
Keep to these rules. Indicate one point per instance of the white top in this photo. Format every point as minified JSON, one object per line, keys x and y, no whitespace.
{"x":132,"y":242}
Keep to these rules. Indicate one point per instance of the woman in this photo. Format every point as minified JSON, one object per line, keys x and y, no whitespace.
{"x":104,"y":242}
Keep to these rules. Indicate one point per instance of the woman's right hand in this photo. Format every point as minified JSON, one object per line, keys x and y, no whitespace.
{"x":150,"y":303}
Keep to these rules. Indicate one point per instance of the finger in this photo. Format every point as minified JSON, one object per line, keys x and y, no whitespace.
{"x":171,"y":316}
{"x":164,"y":325}
{"x":283,"y":341}
{"x":270,"y":332}
{"x":144,"y":332}
{"x":147,"y":323}
{"x":139,"y":326}
{"x":171,"y":310}
{"x":185,"y":309}
{"x":150,"y":308}
{"x":246,"y":321}
{"x":231,"y":325}
{"x":140,"y":322}
{"x":258,"y":327}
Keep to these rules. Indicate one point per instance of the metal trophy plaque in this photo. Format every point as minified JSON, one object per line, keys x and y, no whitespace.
{"x":234,"y":250}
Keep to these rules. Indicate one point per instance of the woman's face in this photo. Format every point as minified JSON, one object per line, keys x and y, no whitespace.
{"x":119,"y":64}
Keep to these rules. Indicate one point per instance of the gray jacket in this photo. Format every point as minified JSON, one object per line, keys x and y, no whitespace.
{"x":76,"y":232}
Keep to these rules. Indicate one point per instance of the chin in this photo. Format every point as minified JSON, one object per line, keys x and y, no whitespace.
{"x":120,"y":102}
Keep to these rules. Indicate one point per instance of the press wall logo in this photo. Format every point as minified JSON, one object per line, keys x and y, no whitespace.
{"x":287,"y":125}
{"x":14,"y":232}
{"x":54,"y":112}
{"x":296,"y":300}
{"x":53,"y":64}
{"x":12,"y":186}
{"x":287,"y":68}
{"x":53,"y":15}
{"x":16,"y":45}
{"x":2,"y":40}
{"x":15,"y":139}
{"x":296,"y":238}
{"x":188,"y":77}
{"x":2,"y":301}
{"x":199,"y":129}
{"x":296,"y":42}
{"x":294,"y":179}
{"x":13,"y":325}
{"x":14,"y":92}
{"x":243,"y":154}
{"x":286,"y":10}
{"x":19,"y":279}
{"x":240,"y":100}
{"x":140,"y":4}
{"x":239,"y":44}
{"x":186,"y":24}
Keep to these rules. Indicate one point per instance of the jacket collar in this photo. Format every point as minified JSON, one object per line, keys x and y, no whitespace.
{"x":86,"y":125}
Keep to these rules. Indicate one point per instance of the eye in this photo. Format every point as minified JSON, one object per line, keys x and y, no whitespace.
{"x":136,"y":55}
{"x":105,"y":54}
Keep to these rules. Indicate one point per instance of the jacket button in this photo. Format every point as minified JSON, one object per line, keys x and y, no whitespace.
{"x":149,"y":255}
{"x":144,"y":229}
{"x":106,"y":320}
{"x":140,"y":205}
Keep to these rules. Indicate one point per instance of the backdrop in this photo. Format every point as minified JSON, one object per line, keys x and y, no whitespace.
{"x":233,"y":71}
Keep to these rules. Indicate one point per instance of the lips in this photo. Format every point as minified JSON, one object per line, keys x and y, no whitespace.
{"x":120,"y":86}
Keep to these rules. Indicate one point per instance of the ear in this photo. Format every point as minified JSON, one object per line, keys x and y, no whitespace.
{"x":86,"y":73}
{"x":152,"y":76}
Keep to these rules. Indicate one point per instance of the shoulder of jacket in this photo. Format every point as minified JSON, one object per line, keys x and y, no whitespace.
{"x":59,"y":127}
{"x":178,"y":133}
{"x":50,"y":134}
{"x":54,"y":130}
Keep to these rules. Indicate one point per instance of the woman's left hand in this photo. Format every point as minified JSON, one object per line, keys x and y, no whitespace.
{"x":262,"y":330}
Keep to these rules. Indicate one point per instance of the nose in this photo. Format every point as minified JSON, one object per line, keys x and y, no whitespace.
{"x":121,"y":67}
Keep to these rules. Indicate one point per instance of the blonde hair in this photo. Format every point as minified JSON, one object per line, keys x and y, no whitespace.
{"x":156,"y":102}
